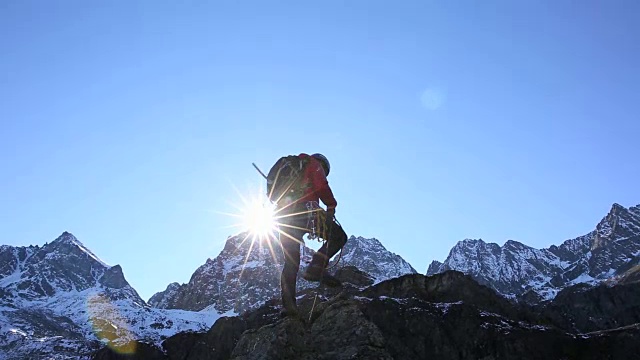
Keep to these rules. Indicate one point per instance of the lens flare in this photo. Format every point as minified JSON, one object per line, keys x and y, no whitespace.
{"x":109,"y":325}
{"x":259,"y":220}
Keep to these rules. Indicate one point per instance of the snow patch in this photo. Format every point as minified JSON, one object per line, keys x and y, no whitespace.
{"x":583,"y":278}
{"x":548,"y":293}
{"x":10,"y":279}
{"x":399,"y":301}
{"x":18,"y":331}
{"x":444,"y":307}
{"x":92,"y":255}
{"x":362,"y":298}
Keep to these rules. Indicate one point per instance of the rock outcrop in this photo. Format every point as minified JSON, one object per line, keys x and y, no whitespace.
{"x":444,"y":316}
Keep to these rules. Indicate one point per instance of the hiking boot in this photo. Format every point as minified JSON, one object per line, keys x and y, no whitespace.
{"x":289,"y":308}
{"x":316,"y":273}
{"x":313,"y":273}
{"x":290,"y":312}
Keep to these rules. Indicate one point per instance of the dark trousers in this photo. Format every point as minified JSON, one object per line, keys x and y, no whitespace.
{"x":294,"y":228}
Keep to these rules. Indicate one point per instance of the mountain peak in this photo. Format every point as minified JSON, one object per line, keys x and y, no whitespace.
{"x":514,"y":244}
{"x":515,"y":267}
{"x":370,"y":256}
{"x":617,"y":209}
{"x":363,"y":239}
{"x":469,"y":244}
{"x":434,"y":268}
{"x":469,"y":241}
{"x":66,"y":237}
{"x":243,"y":276}
{"x":619,"y":224}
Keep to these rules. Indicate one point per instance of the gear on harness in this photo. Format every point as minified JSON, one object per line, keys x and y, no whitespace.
{"x":316,"y":221}
{"x":319,"y":226}
{"x":324,"y":277}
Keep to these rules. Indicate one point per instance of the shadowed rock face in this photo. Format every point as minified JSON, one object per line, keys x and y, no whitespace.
{"x":584,"y":309}
{"x":216,"y":344}
{"x":133,"y":351}
{"x":632,"y":275}
{"x":445,"y":316}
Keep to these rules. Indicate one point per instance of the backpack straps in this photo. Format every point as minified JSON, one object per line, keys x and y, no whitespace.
{"x":284,"y":175}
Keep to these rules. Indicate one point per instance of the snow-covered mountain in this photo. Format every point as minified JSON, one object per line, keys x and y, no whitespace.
{"x":370,"y":256}
{"x":60,"y":301}
{"x":516,"y":269}
{"x":243,"y":275}
{"x":246,"y":274}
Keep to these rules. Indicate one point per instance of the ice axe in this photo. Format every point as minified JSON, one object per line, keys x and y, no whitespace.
{"x":260,"y":171}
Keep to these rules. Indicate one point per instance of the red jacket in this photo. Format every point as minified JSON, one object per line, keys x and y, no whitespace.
{"x":315,"y":185}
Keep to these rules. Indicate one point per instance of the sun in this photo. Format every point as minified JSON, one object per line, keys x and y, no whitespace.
{"x":259,"y":219}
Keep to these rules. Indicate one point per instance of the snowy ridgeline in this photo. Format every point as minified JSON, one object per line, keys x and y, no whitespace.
{"x":517,"y":270}
{"x":370,"y":256}
{"x":62,"y":296}
{"x":61,"y":301}
{"x":245,"y":275}
{"x":82,"y":323}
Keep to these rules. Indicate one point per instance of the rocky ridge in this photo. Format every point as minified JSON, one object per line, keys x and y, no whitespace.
{"x":246,"y":274}
{"x":444,"y":316}
{"x":518,"y":270}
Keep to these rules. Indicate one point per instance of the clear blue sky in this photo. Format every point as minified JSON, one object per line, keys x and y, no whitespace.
{"x":129,"y":123}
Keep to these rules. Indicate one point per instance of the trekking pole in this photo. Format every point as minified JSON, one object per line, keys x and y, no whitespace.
{"x":315,"y":298}
{"x":260,"y":171}
{"x":341,"y":249}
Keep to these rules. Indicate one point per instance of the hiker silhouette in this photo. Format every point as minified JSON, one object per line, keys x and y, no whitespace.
{"x":297,"y":184}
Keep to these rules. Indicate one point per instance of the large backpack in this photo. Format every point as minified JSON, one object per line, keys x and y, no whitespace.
{"x":284,"y":177}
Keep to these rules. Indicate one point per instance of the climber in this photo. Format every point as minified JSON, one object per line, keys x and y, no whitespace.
{"x":296,"y":184}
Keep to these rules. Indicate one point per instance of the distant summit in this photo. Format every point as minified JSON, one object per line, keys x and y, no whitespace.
{"x":370,"y":256}
{"x":59,"y":300}
{"x":245,"y":275}
{"x":516,"y":269}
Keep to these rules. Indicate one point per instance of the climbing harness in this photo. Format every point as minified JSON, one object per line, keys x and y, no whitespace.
{"x":315,"y":221}
{"x":319,"y":222}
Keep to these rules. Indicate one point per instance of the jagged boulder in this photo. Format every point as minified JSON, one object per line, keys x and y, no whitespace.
{"x":281,"y":340}
{"x":216,"y":344}
{"x":340,"y":332}
{"x":353,"y":276}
